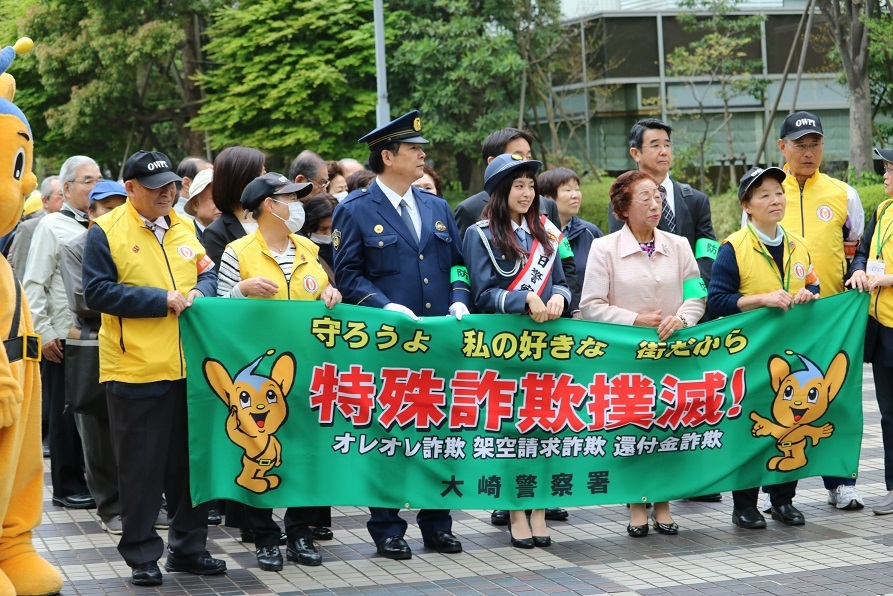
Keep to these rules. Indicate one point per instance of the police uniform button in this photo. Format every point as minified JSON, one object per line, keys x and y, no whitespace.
{"x":380,"y":243}
{"x":421,"y":257}
{"x":427,"y":305}
{"x":425,"y":280}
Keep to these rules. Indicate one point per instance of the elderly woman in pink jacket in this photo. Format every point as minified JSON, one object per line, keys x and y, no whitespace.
{"x":646,"y":277}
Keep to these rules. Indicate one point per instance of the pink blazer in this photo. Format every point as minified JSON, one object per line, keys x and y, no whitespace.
{"x":622,"y":282}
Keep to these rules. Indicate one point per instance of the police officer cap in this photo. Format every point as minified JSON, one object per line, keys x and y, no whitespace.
{"x":504,"y":165}
{"x":271,"y":184}
{"x":885,"y":154}
{"x":152,"y":169}
{"x":799,"y":124}
{"x":405,"y":129}
{"x":754,"y":175}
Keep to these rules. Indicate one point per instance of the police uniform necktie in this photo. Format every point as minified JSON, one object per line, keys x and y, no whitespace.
{"x":522,"y":239}
{"x":666,"y":212}
{"x":407,"y":219}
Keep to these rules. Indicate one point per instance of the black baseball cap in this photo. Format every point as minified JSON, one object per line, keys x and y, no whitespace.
{"x":754,"y":175}
{"x":799,"y":124}
{"x":152,"y":169}
{"x":270,"y":184}
{"x":885,"y":154}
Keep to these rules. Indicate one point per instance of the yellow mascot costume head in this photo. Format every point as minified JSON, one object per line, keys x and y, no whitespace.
{"x":22,"y":570}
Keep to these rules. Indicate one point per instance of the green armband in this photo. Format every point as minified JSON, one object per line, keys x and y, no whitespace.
{"x":705,"y":247}
{"x":565,"y":250}
{"x":694,"y":288}
{"x":459,"y":273}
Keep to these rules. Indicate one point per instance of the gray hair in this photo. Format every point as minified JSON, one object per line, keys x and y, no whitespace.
{"x":46,"y":187}
{"x":70,"y":168}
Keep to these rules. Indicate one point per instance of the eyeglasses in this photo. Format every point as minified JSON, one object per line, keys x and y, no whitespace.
{"x":88,"y":181}
{"x":804,"y":147}
{"x":888,"y":167}
{"x":324,"y":184}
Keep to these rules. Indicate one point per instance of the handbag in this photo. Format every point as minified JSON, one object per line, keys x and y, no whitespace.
{"x":84,"y":394}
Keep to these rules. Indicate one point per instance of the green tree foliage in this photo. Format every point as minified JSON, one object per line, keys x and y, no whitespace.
{"x":108,"y":77}
{"x":457,"y":62}
{"x":719,"y":59}
{"x":289,"y":76}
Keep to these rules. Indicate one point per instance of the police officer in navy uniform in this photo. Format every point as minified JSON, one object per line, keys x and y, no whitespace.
{"x":397,"y":247}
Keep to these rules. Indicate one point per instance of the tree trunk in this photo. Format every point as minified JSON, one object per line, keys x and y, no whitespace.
{"x":194,"y":140}
{"x":860,"y":128}
{"x":728,"y":126}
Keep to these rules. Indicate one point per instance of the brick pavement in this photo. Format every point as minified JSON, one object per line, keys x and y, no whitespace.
{"x":836,"y":552}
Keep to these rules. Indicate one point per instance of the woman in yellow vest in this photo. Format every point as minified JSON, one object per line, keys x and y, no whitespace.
{"x":275,"y":262}
{"x":762,"y":265}
{"x":869,"y":272}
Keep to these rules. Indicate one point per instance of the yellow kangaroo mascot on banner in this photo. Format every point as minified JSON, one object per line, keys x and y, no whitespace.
{"x":22,"y":570}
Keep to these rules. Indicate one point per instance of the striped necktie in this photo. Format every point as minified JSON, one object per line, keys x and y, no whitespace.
{"x":665,"y":212}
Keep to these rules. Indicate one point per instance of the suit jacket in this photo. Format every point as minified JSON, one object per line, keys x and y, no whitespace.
{"x":21,"y":244}
{"x":693,"y":221}
{"x":377,"y":260}
{"x":219,"y":233}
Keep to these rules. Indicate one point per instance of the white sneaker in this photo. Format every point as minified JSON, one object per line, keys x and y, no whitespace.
{"x":845,"y":497}
{"x":765,"y":503}
{"x":885,"y":507}
{"x":112,"y":525}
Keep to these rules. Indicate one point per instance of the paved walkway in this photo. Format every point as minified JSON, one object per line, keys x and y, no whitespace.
{"x":836,"y":552}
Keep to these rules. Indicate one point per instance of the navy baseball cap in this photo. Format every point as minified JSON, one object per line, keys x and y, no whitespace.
{"x":754,"y":175}
{"x":799,"y":124}
{"x":152,"y":169}
{"x":505,"y":164}
{"x":107,"y":188}
{"x":885,"y":154}
{"x":270,"y":184}
{"x":405,"y":129}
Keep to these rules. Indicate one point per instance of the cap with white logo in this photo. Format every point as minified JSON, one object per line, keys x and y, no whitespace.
{"x":152,"y":169}
{"x":754,"y":174}
{"x":800,"y":124}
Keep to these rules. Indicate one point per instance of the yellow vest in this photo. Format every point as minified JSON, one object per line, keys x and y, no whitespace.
{"x":881,"y":305}
{"x":308,"y":278}
{"x":758,"y":271}
{"x":143,"y":350}
{"x":818,"y":213}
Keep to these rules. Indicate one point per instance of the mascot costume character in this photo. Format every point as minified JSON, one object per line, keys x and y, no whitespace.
{"x":22,"y":570}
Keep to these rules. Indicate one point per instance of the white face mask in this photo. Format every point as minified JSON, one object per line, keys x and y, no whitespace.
{"x":320,"y":238}
{"x":295,"y":220}
{"x":340,"y":195}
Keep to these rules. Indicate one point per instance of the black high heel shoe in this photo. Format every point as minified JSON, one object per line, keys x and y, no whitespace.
{"x":670,"y":529}
{"x":637,"y":531}
{"x":526,"y":543}
{"x":542,"y":541}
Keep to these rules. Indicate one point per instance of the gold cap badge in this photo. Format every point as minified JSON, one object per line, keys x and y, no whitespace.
{"x":440,"y":226}
{"x":417,"y":124}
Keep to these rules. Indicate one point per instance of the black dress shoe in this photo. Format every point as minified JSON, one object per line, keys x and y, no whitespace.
{"x":500,"y":517}
{"x":637,"y":531}
{"x":542,"y":541}
{"x":670,"y":529}
{"x":749,"y":518}
{"x":443,"y":542}
{"x":214,"y":516}
{"x":147,"y":574}
{"x":246,"y":535}
{"x":84,"y":501}
{"x":200,"y":563}
{"x":269,"y":558}
{"x":302,"y":552}
{"x":788,"y":515}
{"x":395,"y":548}
{"x":556,"y":514}
{"x":714,"y":498}
{"x":321,"y":533}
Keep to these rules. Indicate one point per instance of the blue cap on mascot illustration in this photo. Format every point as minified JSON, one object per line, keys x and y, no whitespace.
{"x":17,"y":180}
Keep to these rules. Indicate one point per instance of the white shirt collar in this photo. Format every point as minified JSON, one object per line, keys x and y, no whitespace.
{"x":671,"y":197}
{"x":395,"y":199}
{"x":523,"y":226}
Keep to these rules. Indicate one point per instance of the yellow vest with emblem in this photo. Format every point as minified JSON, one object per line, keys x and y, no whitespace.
{"x":818,"y":213}
{"x":308,"y":278}
{"x":881,"y":305}
{"x":760,"y":276}
{"x":143,"y":350}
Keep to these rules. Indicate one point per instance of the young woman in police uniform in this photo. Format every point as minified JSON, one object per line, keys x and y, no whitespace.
{"x":513,"y":260}
{"x":762,"y":265}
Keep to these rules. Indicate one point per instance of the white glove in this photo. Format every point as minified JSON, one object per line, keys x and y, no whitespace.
{"x":457,"y":309}
{"x":400,"y":308}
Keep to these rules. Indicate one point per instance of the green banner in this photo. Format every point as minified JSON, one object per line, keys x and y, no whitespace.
{"x":291,"y":403}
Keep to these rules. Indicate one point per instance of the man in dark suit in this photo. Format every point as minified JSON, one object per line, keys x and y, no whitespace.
{"x":397,"y":247}
{"x":686,"y":211}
